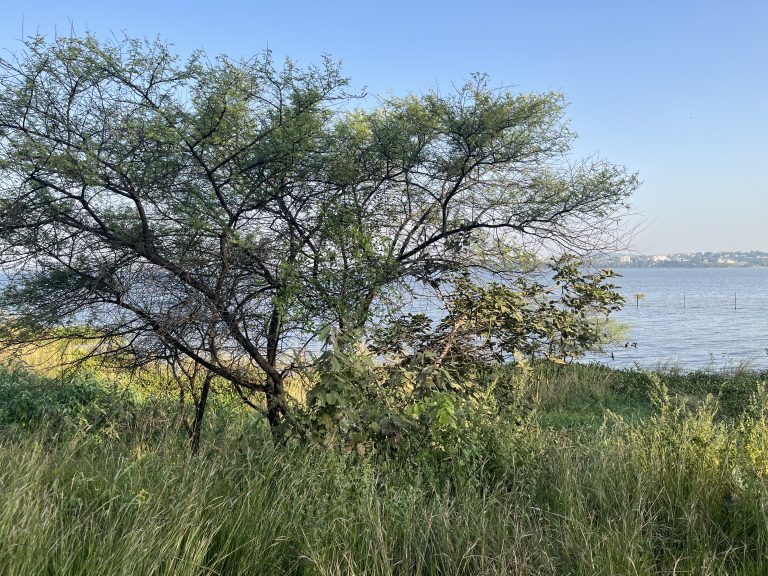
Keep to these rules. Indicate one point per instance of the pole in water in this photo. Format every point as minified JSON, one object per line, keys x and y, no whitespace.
{"x":683,"y":299}
{"x":734,"y":300}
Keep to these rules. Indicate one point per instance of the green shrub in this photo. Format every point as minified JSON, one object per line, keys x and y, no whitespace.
{"x":28,"y":400}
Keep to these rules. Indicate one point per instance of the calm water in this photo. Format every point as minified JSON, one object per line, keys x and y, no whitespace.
{"x":687,"y":318}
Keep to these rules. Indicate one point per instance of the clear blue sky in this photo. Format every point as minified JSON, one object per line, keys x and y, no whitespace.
{"x":676,"y":90}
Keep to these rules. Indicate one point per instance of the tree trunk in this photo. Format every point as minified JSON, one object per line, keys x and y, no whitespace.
{"x":277,"y":406}
{"x":197,"y":424}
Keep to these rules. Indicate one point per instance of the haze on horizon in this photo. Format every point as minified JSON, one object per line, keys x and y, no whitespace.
{"x":673,"y":90}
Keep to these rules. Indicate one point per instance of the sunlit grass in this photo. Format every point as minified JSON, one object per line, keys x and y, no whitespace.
{"x":680,"y":491}
{"x":615,"y":474}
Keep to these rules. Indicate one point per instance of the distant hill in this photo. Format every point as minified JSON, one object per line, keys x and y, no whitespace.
{"x":751,"y":259}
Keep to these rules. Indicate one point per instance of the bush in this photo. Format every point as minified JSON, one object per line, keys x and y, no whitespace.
{"x":28,"y":400}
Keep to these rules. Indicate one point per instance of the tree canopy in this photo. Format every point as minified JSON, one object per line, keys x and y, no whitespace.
{"x":228,"y":211}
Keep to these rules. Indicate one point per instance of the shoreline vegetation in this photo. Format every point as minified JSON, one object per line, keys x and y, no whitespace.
{"x":592,"y":471}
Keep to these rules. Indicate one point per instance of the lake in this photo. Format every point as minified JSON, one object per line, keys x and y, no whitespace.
{"x":687,"y":318}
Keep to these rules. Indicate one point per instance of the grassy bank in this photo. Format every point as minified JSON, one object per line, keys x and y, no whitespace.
{"x":606,"y":473}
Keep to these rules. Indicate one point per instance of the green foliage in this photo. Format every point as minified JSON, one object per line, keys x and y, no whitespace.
{"x":733,"y":390}
{"x":418,"y":409}
{"x":441,"y":389}
{"x":29,"y":401}
{"x":494,"y":322}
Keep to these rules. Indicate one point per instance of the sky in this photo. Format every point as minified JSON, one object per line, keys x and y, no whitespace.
{"x":674,"y":90}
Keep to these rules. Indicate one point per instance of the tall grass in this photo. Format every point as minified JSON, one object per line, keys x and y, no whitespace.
{"x":678,"y":492}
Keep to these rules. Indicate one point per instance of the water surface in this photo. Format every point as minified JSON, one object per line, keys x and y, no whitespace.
{"x":693,"y":318}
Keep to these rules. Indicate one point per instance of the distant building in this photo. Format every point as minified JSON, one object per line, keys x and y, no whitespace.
{"x":687,"y":260}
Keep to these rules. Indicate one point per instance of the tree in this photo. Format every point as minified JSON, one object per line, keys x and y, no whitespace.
{"x":523,"y":320}
{"x":418,"y":379}
{"x":227,"y":211}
